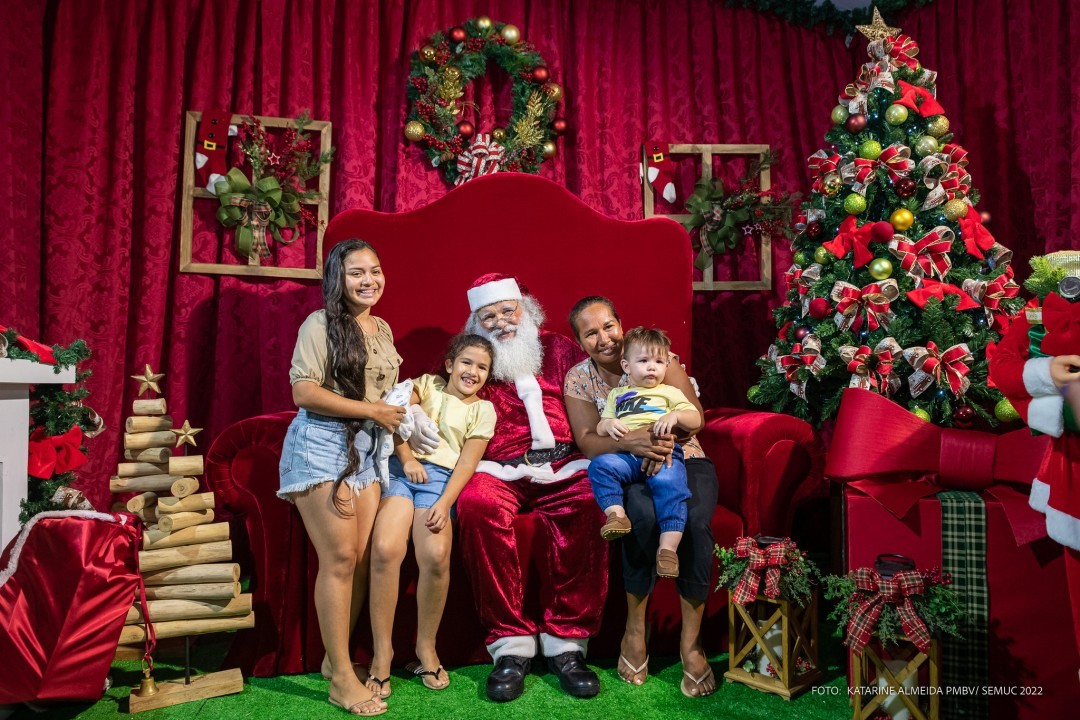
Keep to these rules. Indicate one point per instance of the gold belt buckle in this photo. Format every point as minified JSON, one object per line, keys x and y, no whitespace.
{"x":527,"y":459}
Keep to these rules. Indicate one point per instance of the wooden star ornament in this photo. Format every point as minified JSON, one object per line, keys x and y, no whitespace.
{"x":148,"y":380}
{"x":186,"y":434}
{"x":877,"y":30}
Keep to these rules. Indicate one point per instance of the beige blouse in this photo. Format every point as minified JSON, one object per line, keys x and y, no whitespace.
{"x":311,"y":359}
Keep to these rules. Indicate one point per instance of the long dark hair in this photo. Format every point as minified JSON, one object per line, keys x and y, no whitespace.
{"x":345,"y":347}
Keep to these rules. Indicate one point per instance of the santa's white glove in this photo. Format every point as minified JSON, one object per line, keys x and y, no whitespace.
{"x":424,"y":438}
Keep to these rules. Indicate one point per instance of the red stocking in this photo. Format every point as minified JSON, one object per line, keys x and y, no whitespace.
{"x":659,"y":169}
{"x":211,"y":144}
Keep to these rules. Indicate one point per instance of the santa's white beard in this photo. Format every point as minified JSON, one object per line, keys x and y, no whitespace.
{"x":517,"y":356}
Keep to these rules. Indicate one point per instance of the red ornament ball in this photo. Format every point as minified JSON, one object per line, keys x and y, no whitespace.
{"x":813,"y":229}
{"x":801,"y":333}
{"x":905,"y":187}
{"x":882,"y":232}
{"x":466,"y":129}
{"x":985,"y":217}
{"x":540,"y":74}
{"x":963,"y":416}
{"x":559,"y":126}
{"x":457,"y":34}
{"x":855,"y":123}
{"x":819,"y":308}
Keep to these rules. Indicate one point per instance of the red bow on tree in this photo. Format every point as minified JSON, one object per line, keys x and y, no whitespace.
{"x":991,"y":294}
{"x":902,"y":49}
{"x":919,"y":99}
{"x":873,"y":369}
{"x":932,"y":366}
{"x":873,"y":592}
{"x":1061,"y":319}
{"x":771,"y":559}
{"x":872,"y":300}
{"x":850,"y":237}
{"x":44,"y":352}
{"x":977,"y":239}
{"x":955,"y":154}
{"x":55,"y":454}
{"x":805,"y":355}
{"x":929,"y":255}
{"x":935,"y":289}
{"x":822,"y":164}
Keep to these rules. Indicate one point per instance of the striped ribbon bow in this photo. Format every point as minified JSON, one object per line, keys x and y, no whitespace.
{"x":483,"y":157}
{"x":873,"y":592}
{"x":771,"y":559}
{"x":929,"y":255}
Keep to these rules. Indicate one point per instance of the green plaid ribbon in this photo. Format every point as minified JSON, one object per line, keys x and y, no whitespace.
{"x":965,"y":661}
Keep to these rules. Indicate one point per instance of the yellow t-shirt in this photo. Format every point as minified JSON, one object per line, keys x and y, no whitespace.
{"x":311,"y":359}
{"x":458,"y":421}
{"x":639,"y":407}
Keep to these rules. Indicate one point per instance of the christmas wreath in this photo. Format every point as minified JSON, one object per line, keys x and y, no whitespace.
{"x":439,"y":72}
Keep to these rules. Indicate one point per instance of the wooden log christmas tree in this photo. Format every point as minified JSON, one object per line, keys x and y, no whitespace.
{"x":191,"y":584}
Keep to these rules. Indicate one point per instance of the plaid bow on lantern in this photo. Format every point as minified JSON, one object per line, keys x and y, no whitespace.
{"x":873,"y":300}
{"x":932,"y":366}
{"x":483,"y":157}
{"x":929,"y":255}
{"x":991,"y":294}
{"x":952,"y":182}
{"x":805,"y":358}
{"x":873,"y":370}
{"x":771,"y":559}
{"x":873,"y":592}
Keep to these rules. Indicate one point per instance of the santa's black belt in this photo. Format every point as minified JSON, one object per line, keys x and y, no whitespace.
{"x":534,"y":458}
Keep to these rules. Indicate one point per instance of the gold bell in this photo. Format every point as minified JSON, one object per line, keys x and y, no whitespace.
{"x":147,"y":686}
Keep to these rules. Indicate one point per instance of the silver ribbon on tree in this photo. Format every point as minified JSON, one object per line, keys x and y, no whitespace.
{"x":873,"y":369}
{"x":873,"y":75}
{"x":804,"y":361}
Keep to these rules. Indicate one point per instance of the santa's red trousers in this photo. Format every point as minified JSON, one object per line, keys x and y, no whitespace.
{"x":572,"y":559}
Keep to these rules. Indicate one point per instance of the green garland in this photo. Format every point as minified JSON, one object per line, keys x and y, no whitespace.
{"x":440,"y":70}
{"x":808,"y":13}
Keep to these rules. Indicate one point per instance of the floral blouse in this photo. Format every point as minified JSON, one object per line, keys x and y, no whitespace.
{"x":583,"y":382}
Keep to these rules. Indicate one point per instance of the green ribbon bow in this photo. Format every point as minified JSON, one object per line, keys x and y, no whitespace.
{"x":716,"y":230}
{"x":254,"y":210}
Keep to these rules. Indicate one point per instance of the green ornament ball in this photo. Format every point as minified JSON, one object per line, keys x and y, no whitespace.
{"x":799,"y":259}
{"x":880,"y":268}
{"x":822,"y":256}
{"x":1005,"y":412}
{"x":839,"y":114}
{"x":922,"y":414}
{"x":870,"y":150}
{"x":926,"y":145}
{"x":854,"y":204}
{"x":896,"y":114}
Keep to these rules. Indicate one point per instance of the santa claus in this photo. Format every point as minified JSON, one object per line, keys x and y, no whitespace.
{"x":1037,"y":366}
{"x":531,"y":465}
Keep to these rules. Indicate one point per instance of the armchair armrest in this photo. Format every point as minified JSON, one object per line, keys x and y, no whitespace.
{"x":767,"y":464}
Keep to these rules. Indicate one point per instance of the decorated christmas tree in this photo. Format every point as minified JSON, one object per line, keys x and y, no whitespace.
{"x":896,"y":286}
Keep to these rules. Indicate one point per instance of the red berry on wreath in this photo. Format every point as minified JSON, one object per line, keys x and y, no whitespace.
{"x":819,"y":308}
{"x":466,"y":129}
{"x":559,"y":126}
{"x":457,"y":34}
{"x":540,"y":74}
{"x":905,"y":187}
{"x":882,"y":232}
{"x":813,"y":229}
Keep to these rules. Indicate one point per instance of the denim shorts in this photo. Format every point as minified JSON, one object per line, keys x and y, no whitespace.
{"x":423,"y":495}
{"x":314,"y":453}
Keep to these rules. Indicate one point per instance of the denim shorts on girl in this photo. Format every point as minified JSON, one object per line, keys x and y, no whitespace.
{"x":314,"y":453}
{"x":423,"y":495}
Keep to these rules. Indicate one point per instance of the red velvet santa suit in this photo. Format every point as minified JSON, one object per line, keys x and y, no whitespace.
{"x":1056,"y":491}
{"x":573,"y":571}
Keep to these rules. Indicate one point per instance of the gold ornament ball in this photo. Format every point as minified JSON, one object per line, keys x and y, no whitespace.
{"x":880,"y":268}
{"x":901,"y":219}
{"x":414,"y":131}
{"x":554,"y":91}
{"x":1005,"y":412}
{"x":483,"y":23}
{"x":896,"y":114}
{"x":921,"y":414}
{"x":452,"y":73}
{"x":938,"y":126}
{"x":955,"y":209}
{"x":822,"y":256}
{"x":511,"y":34}
{"x":498,"y":134}
{"x":854,"y":204}
{"x":427,"y":53}
{"x":832,"y":184}
{"x":549,"y":149}
{"x":926,"y":145}
{"x":839,"y":114}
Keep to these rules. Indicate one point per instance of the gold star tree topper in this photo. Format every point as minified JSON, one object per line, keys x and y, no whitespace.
{"x":148,"y":380}
{"x":186,"y":434}
{"x":877,"y":30}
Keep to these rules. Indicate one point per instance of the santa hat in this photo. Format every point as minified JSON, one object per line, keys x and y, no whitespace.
{"x":492,"y":288}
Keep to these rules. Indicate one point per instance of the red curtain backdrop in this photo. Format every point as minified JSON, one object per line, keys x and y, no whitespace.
{"x":96,"y":91}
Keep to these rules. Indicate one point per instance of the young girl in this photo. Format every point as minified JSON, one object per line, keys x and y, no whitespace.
{"x":343,"y":363}
{"x":421,"y":491}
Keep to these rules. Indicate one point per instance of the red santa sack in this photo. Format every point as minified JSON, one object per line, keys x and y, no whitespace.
{"x":66,"y":583}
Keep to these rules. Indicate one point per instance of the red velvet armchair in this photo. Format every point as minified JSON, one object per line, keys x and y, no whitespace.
{"x":561,"y":250}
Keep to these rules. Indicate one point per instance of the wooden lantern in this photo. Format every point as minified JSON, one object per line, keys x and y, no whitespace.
{"x":905,"y":677}
{"x":798,"y":628}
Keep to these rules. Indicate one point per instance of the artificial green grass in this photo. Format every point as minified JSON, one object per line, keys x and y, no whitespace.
{"x":304,"y":696}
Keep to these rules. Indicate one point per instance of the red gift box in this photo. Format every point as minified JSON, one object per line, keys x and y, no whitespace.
{"x":893,"y":464}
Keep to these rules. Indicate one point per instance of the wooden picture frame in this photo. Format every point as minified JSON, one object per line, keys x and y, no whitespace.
{"x":707,"y":152}
{"x":191,"y":193}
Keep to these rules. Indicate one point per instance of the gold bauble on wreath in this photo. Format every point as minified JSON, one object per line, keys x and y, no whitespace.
{"x":498,"y":134}
{"x":955,"y":209}
{"x":880,"y":268}
{"x":427,"y":53}
{"x":554,"y":91}
{"x":414,"y":131}
{"x":452,"y":73}
{"x":511,"y":34}
{"x":549,"y":149}
{"x":937,"y":126}
{"x":901,"y":219}
{"x":483,"y":23}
